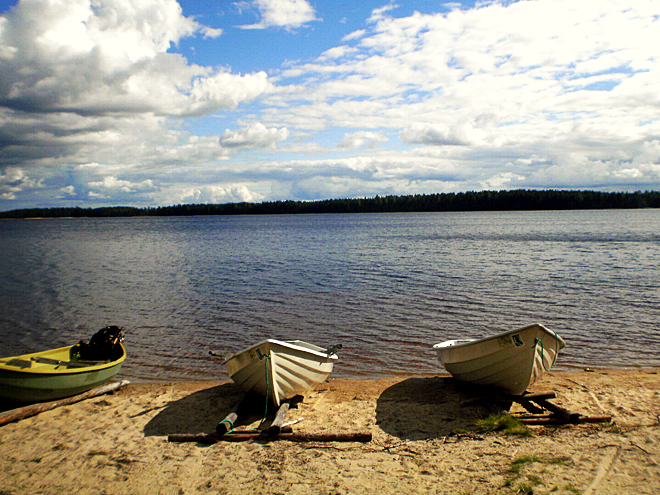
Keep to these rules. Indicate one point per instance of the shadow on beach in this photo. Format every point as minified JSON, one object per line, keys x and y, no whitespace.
{"x":412,"y":409}
{"x":201,"y":411}
{"x":428,"y":408}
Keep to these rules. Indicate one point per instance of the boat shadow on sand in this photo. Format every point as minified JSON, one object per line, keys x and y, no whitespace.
{"x":201,"y":411}
{"x":412,"y":409}
{"x":428,"y":408}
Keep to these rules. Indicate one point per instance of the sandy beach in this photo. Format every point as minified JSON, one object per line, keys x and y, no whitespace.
{"x":423,"y":441}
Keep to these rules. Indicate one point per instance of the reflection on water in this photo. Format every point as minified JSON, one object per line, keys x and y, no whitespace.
{"x":386,"y":286}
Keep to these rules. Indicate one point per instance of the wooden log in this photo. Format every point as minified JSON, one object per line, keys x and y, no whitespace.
{"x":226,"y":424}
{"x":533,"y":397}
{"x":328,"y":437}
{"x":531,"y":407}
{"x":506,"y":398}
{"x":259,"y":433}
{"x":595,"y":419}
{"x":527,"y":401}
{"x":205,"y":438}
{"x":34,"y":409}
{"x":534,"y":416}
{"x":543,"y":421}
{"x":230,"y":436}
{"x":569,"y":416}
{"x":562,"y":421}
{"x":276,"y":426}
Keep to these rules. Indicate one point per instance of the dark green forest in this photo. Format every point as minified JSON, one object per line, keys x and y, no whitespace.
{"x":516,"y":200}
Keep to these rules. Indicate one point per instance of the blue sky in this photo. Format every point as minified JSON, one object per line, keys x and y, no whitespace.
{"x":158,"y":102}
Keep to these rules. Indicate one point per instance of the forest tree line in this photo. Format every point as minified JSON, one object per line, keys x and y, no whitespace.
{"x":515,"y":200}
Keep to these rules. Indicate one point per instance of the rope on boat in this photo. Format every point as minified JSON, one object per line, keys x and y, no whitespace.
{"x":267,"y":388}
{"x":267,"y":358}
{"x":554,"y":359}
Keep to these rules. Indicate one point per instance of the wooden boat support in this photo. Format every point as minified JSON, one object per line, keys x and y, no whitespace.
{"x":227,"y":424}
{"x":538,"y":403}
{"x":225,"y":432}
{"x":553,"y":420}
{"x":565,"y":414}
{"x":275,"y":427}
{"x":205,"y":438}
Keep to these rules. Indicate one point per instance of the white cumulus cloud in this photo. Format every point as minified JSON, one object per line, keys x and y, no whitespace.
{"x":114,"y":184}
{"x":230,"y":193}
{"x":13,"y":180}
{"x":98,"y":81}
{"x":112,"y":56}
{"x":362,"y":139}
{"x":255,"y":135}
{"x":282,"y":13}
{"x":439,"y":134}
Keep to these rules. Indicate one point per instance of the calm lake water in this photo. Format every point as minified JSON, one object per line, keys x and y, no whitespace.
{"x":386,"y":286}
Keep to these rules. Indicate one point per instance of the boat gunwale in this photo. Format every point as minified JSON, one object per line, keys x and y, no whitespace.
{"x":53,"y":369}
{"x":469,"y":342}
{"x":288,"y":345}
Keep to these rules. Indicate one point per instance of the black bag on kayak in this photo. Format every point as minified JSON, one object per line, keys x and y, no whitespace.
{"x":103,"y":346}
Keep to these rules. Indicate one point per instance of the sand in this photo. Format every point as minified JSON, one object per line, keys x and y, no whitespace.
{"x":424,"y":441}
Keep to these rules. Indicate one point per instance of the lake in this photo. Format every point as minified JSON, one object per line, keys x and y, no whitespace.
{"x":385,"y":286}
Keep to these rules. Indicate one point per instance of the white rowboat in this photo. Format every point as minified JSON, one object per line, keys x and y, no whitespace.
{"x":511,"y":361}
{"x":280,"y":370}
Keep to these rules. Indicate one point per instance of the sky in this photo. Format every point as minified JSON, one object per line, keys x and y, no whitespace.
{"x":158,"y":102}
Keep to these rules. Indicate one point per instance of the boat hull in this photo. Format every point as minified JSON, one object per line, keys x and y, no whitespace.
{"x":280,"y":370}
{"x":511,"y":361}
{"x":28,"y":378}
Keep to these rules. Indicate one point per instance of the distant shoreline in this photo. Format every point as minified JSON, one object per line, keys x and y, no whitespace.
{"x":516,"y":200}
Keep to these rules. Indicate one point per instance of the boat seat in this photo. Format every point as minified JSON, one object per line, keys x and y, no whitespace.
{"x":57,"y":362}
{"x":18,"y":363}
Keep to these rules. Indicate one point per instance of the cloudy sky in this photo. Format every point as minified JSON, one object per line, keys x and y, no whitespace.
{"x":154,"y":102}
